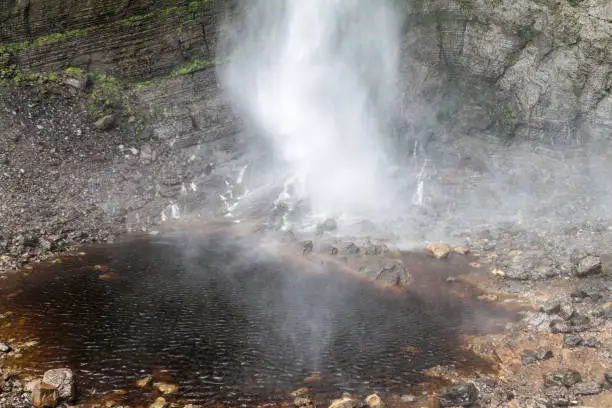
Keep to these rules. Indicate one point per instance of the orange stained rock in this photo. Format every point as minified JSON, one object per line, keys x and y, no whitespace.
{"x":410,"y":349}
{"x":109,"y":276}
{"x":312,"y":378}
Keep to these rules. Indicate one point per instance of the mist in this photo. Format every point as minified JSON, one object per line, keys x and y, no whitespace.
{"x":318,"y":85}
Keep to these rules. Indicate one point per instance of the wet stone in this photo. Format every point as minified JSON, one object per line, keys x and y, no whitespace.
{"x":458,"y":395}
{"x":143,"y":382}
{"x":543,"y":353}
{"x":529,"y":357}
{"x":589,"y":265}
{"x":408,"y":398}
{"x":587,"y":388}
{"x":300,"y":392}
{"x":166,"y":388}
{"x":303,"y":402}
{"x":374,"y":401}
{"x":394,"y":273}
{"x":63,"y":380}
{"x":344,"y":402}
{"x":572,"y":340}
{"x":461,"y":250}
{"x":565,"y":378}
{"x":437,"y":250}
{"x":159,"y":403}
{"x":44,"y":396}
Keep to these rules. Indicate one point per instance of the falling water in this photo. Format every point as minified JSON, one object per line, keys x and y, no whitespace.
{"x":319,"y":83}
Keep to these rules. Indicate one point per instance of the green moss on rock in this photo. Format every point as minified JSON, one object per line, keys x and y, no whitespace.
{"x":191,"y":67}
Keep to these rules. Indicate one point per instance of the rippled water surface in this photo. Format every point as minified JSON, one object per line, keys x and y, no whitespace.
{"x":228,"y":324}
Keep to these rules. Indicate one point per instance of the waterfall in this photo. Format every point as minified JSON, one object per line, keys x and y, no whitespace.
{"x":318,"y":80}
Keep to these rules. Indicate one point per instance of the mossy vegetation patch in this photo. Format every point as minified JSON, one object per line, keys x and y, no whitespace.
{"x":192,"y":66}
{"x":11,"y":76}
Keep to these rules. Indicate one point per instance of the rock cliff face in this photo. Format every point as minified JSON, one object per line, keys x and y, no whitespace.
{"x":538,"y":70}
{"x":111,"y":113}
{"x":131,"y":40}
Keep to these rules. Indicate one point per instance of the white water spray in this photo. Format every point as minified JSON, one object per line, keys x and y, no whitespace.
{"x":319,"y":84}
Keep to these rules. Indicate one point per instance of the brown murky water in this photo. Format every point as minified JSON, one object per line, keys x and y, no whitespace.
{"x":229,"y":326}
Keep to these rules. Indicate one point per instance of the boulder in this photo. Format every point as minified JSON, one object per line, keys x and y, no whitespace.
{"x":572,"y":340}
{"x":166,"y":388}
{"x":159,"y":403}
{"x":394,"y":273}
{"x":374,"y":401}
{"x":344,"y":402}
{"x":589,"y":265}
{"x":461,"y":250}
{"x":77,"y":83}
{"x":587,"y":388}
{"x":63,"y":380}
{"x":143,"y":382}
{"x":460,"y":395}
{"x":437,"y":250}
{"x":565,"y":378}
{"x":4,"y":348}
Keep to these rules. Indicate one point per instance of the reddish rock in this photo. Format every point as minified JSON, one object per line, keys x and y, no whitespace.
{"x":44,"y":395}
